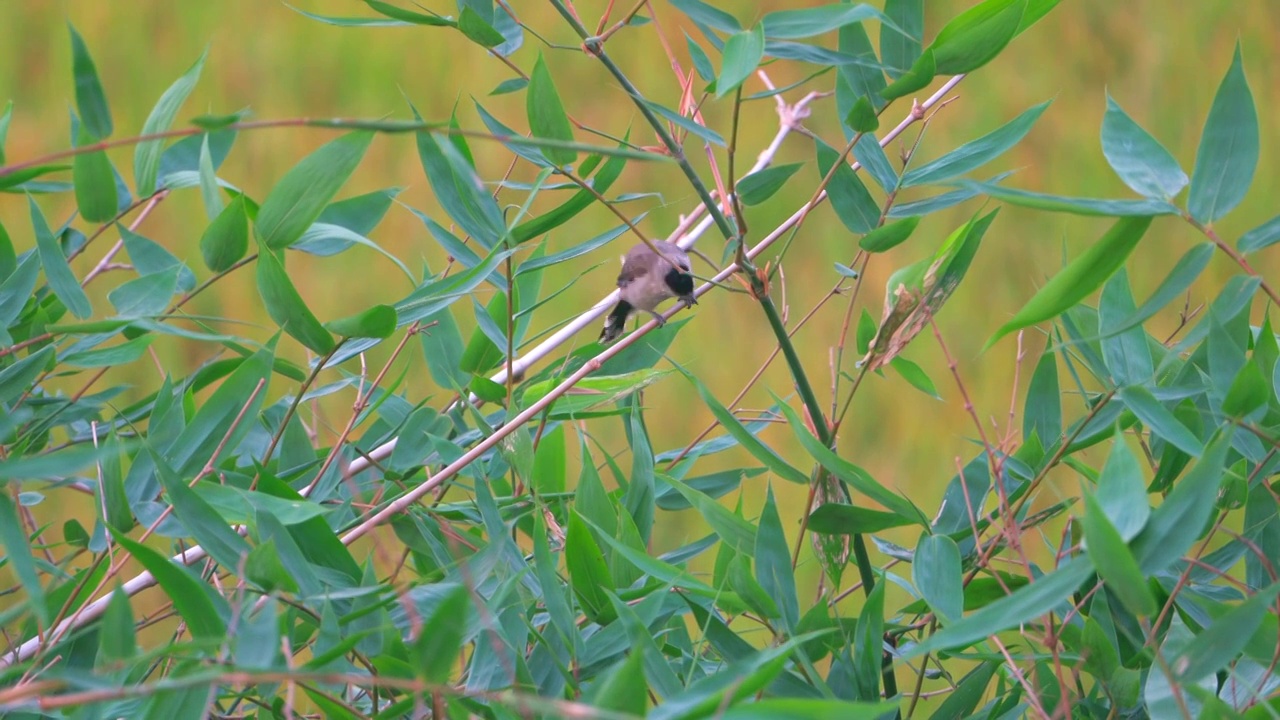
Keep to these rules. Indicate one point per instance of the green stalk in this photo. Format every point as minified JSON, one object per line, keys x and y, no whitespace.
{"x":595,"y":46}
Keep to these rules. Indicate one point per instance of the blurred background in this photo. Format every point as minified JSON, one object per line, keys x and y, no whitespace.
{"x":1161,"y":61}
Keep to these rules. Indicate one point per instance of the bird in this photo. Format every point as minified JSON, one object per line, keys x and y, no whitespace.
{"x":648,"y":278}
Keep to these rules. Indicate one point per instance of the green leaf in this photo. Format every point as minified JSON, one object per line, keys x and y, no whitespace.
{"x":915,"y":375}
{"x":935,"y":570}
{"x":1163,"y":695}
{"x":150,"y":257}
{"x":742,"y":55}
{"x":868,"y":152}
{"x":459,"y":190}
{"x":1024,"y":605}
{"x":701,"y":63}
{"x":442,"y":346}
{"x":762,"y":184}
{"x":1042,"y":412}
{"x":193,"y":600}
{"x":588,"y":574}
{"x":1125,"y":354}
{"x":1115,"y":563}
{"x":56,"y":270}
{"x":362,"y":213}
{"x":18,"y":177}
{"x":638,"y":498}
{"x":976,"y":153}
{"x":773,"y":563}
{"x":1080,"y":277}
{"x":976,"y":36}
{"x":209,"y":190}
{"x":95,"y":184}
{"x":1221,"y":642}
{"x":146,"y":156}
{"x":117,"y":638}
{"x":689,"y":124}
{"x":900,"y":48}
{"x":862,"y":117}
{"x":736,"y":532}
{"x":378,"y":321}
{"x":710,"y":695}
{"x":351,"y":22}
{"x":922,"y":72}
{"x":399,"y":13}
{"x":716,"y":484}
{"x":1122,"y":493}
{"x":1176,"y":524}
{"x":547,"y":118}
{"x":1159,"y":420}
{"x":200,"y":519}
{"x":146,"y":296}
{"x":1248,"y":392}
{"x":219,"y":122}
{"x":841,"y":519}
{"x":226,"y":240}
{"x":868,"y":645}
{"x":622,"y":689}
{"x":215,"y":420}
{"x":91,"y":101}
{"x":477,"y":29}
{"x":17,"y":379}
{"x":302,"y":194}
{"x":860,"y":72}
{"x":708,"y":15}
{"x":15,"y":290}
{"x":439,"y":641}
{"x":866,"y":332}
{"x":853,"y":204}
{"x":509,"y":85}
{"x":286,"y":307}
{"x":1228,"y":152}
{"x":113,"y":501}
{"x":1078,"y":206}
{"x":749,"y":442}
{"x":749,"y":589}
{"x":121,"y":354}
{"x":794,"y":24}
{"x":964,"y":699}
{"x":1139,"y":159}
{"x":1265,"y":235}
{"x":549,"y":462}
{"x":264,"y":568}
{"x":18,"y":552}
{"x":51,"y":465}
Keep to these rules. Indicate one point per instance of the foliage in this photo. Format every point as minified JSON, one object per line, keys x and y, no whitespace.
{"x":494,"y":584}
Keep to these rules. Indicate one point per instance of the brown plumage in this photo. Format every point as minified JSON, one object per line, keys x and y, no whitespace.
{"x":645,"y":281}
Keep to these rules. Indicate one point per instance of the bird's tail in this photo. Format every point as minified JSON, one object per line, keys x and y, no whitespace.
{"x":616,"y":322}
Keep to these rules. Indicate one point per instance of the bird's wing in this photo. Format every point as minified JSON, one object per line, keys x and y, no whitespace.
{"x":631,"y":271}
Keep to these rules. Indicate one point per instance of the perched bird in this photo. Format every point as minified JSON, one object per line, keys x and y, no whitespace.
{"x":647,"y":279}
